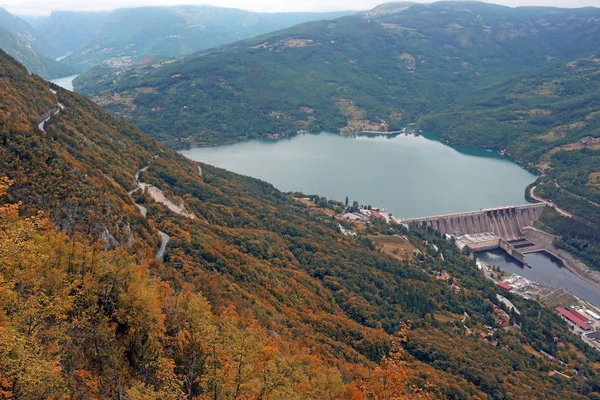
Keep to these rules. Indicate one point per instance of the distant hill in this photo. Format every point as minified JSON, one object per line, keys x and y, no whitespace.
{"x":35,"y":62}
{"x":20,"y":40}
{"x":373,"y":71}
{"x":69,"y":30}
{"x":126,"y":36}
{"x":550,"y":122}
{"x":33,"y":20}
{"x":257,"y":295}
{"x":26,"y":33}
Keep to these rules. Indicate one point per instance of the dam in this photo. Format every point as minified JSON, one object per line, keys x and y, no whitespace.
{"x":487,"y":229}
{"x":506,"y":222}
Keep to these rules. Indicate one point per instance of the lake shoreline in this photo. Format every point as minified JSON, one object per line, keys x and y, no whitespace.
{"x":431,"y":154}
{"x":413,"y":130}
{"x":177,"y":146}
{"x":377,"y":170}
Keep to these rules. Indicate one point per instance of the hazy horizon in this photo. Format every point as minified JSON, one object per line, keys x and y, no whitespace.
{"x":43,"y":7}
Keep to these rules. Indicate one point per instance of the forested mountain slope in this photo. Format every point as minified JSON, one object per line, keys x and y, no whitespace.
{"x":36,"y":62}
{"x":21,"y":41}
{"x":374,"y":71}
{"x":129,"y":35}
{"x":27,"y":33}
{"x":254,"y":296}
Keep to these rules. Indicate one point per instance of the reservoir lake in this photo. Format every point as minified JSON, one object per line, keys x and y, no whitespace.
{"x":409,"y":175}
{"x":65,"y":82}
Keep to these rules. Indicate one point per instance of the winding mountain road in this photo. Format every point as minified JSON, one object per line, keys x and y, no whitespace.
{"x":164,"y":238}
{"x":542,"y":200}
{"x":51,"y":113}
{"x":142,"y":209}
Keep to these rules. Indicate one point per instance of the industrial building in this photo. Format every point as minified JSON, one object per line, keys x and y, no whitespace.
{"x":569,"y":316}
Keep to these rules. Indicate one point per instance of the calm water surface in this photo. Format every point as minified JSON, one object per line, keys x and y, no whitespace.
{"x":411,"y":176}
{"x":545,"y":269}
{"x":65,"y":82}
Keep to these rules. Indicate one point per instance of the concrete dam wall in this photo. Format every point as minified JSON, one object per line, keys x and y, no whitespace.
{"x":507,"y":222}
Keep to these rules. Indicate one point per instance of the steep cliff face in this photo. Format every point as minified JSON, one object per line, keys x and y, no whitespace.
{"x":21,"y":41}
{"x":25,"y":32}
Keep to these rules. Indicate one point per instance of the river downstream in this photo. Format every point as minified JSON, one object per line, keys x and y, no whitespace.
{"x":545,"y":269}
{"x":411,"y":176}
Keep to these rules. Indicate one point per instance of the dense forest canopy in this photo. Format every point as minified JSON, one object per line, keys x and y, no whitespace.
{"x":254,"y":297}
{"x":386,"y":67}
{"x":65,"y":43}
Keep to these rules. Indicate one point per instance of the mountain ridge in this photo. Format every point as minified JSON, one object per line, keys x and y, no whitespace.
{"x":126,"y":36}
{"x":23,"y":42}
{"x":424,"y":60}
{"x":24,"y":31}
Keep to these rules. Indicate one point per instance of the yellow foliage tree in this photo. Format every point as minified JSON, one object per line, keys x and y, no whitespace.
{"x":389,"y":380}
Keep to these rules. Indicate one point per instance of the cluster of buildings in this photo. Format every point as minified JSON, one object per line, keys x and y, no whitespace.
{"x":520,"y":285}
{"x":442,"y":275}
{"x":365,"y":215}
{"x":589,"y":141}
{"x":582,"y":318}
{"x":119,"y":62}
{"x":503,"y":317}
{"x":579,"y":315}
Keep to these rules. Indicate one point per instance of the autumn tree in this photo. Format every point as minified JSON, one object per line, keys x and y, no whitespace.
{"x":389,"y":380}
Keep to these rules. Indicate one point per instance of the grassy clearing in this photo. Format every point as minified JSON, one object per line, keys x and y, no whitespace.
{"x":396,"y":246}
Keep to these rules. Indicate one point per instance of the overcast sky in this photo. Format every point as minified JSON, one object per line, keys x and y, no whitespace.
{"x":43,"y":7}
